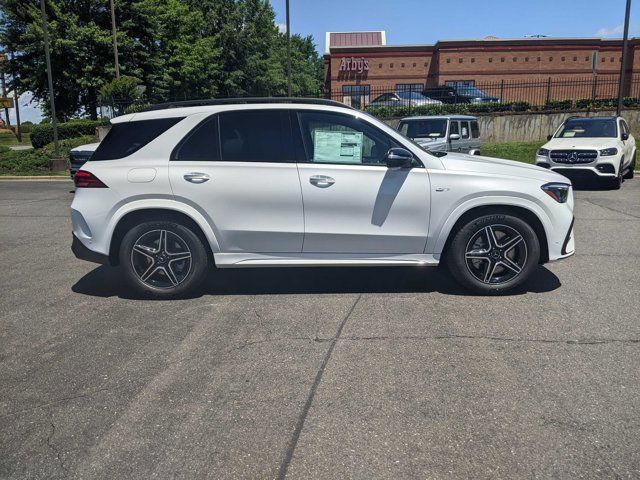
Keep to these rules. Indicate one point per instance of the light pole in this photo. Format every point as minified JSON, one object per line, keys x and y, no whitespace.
{"x":623,"y":66}
{"x":288,"y":51}
{"x":115,"y":38}
{"x":54,"y":120}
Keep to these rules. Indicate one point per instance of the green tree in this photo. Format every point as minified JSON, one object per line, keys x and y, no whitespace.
{"x":178,"y":49}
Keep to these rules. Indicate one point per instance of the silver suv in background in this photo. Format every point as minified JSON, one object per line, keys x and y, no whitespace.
{"x":443,"y":133}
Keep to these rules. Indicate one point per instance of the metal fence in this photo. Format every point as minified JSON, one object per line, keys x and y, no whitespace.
{"x":597,"y":91}
{"x":536,"y":93}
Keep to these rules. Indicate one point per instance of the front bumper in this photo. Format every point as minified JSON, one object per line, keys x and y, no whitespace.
{"x":83,"y":253}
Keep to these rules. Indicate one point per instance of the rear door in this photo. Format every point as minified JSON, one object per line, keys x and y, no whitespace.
{"x":237,"y":168}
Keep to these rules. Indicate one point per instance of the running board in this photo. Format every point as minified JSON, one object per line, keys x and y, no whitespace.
{"x":239,"y":260}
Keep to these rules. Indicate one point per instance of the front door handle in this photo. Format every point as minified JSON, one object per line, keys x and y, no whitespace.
{"x":321,"y":181}
{"x":196,"y":177}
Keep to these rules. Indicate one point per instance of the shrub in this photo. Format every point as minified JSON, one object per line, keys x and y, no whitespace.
{"x":559,"y":105}
{"x":43,"y":133}
{"x":136,"y":107}
{"x":21,"y":162}
{"x":49,"y":150}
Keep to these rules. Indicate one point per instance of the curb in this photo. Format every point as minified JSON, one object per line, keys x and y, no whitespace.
{"x":34,"y":178}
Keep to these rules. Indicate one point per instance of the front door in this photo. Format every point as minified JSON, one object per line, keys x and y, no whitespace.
{"x":353,"y":203}
{"x":237,"y":168}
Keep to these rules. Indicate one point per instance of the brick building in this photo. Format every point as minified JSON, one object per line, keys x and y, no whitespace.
{"x":362,"y":64}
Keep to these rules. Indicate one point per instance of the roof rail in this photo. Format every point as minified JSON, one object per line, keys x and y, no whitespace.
{"x":245,"y":100}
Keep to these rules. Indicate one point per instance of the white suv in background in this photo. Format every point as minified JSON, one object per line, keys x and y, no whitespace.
{"x":304,"y":182}
{"x":596,"y":147}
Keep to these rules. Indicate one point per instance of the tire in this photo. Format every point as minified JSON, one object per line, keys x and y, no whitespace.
{"x":616,"y":182}
{"x":630,"y":173}
{"x":500,"y":266}
{"x":163,"y":259}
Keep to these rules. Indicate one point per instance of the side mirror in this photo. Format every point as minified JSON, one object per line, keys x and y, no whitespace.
{"x":549,"y":137}
{"x":454,"y":136}
{"x":398,"y":158}
{"x":625,"y":136}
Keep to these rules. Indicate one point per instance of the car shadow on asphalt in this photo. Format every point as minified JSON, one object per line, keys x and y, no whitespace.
{"x":105,"y":281}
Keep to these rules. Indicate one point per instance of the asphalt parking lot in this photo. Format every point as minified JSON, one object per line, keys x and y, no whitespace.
{"x":318,"y":373}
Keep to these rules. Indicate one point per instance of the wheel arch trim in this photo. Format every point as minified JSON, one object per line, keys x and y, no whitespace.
{"x":439,"y":241}
{"x":168,"y":205}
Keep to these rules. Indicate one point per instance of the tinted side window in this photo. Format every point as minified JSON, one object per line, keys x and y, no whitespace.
{"x":475,"y":130}
{"x":200,"y":144}
{"x":454,"y":128}
{"x":255,"y":136}
{"x":339,"y":138}
{"x":128,"y":137}
{"x":465,"y":129}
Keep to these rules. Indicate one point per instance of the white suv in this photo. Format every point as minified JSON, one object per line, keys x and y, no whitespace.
{"x":305,"y":182}
{"x":596,"y":147}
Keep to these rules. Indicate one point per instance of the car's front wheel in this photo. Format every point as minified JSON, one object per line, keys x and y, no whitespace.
{"x":163,"y":258}
{"x":631,"y":171}
{"x":493,"y":253}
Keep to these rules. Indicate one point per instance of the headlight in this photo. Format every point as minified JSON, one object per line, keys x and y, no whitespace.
{"x":608,"y":152}
{"x":543,"y":152}
{"x":556,"y":190}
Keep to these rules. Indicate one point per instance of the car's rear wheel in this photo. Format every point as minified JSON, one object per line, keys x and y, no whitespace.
{"x":163,"y":258}
{"x":492,"y":254}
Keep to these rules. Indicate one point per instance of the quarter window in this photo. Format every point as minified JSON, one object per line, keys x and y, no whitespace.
{"x":337,"y":138}
{"x":201,"y":144}
{"x":128,"y":137}
{"x":255,"y":136}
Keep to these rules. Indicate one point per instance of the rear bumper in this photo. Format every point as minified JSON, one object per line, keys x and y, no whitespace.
{"x":83,"y":253}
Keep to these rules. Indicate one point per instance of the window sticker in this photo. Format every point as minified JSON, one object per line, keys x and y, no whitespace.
{"x":332,"y":146}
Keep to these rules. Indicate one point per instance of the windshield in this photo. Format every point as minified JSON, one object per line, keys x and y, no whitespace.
{"x":404,"y":136}
{"x":411,"y":95}
{"x":432,"y":128}
{"x":587,"y":127}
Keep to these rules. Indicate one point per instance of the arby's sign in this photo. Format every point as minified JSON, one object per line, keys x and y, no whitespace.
{"x":353,"y":64}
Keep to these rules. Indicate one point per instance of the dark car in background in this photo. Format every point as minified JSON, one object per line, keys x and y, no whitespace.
{"x":459,"y":93}
{"x":78,"y":156}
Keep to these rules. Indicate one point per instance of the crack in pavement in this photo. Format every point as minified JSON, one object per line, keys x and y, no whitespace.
{"x":293,"y":442}
{"x":52,"y":447}
{"x":498,"y":339}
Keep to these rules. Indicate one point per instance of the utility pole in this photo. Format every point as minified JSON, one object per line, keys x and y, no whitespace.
{"x":54,"y":120}
{"x":115,"y":38}
{"x":288,"y":51}
{"x":16,"y":97}
{"x":623,"y":66}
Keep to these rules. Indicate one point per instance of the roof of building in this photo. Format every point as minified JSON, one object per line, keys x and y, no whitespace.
{"x":355,"y":39}
{"x":471,"y":43}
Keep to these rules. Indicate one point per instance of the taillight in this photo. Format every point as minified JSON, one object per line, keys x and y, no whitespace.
{"x":84,"y":179}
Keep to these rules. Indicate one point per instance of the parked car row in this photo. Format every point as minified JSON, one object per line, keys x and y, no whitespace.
{"x":457,"y":93}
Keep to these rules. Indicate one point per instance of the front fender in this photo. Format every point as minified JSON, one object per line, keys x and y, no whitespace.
{"x":443,"y":225}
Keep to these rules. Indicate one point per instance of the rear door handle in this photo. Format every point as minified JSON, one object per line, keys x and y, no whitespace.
{"x":321,"y":181}
{"x":196,"y":177}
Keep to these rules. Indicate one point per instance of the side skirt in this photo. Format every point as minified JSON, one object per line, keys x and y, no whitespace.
{"x":239,"y":260}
